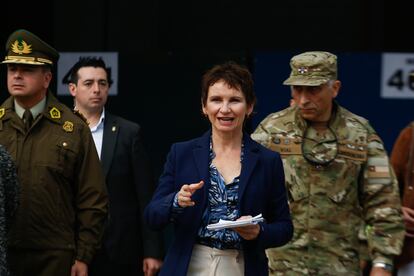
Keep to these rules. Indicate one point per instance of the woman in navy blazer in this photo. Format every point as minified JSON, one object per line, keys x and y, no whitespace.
{"x":223,"y":174}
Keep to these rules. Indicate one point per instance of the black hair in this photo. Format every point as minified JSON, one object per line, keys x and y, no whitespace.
{"x":97,"y":62}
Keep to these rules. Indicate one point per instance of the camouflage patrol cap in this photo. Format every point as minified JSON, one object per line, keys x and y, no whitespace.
{"x":312,"y":69}
{"x":23,"y":47}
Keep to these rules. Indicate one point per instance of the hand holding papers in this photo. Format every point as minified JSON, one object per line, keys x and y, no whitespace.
{"x":222,"y":224}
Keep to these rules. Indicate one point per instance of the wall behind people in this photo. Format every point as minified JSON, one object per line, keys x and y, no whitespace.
{"x":165,"y":46}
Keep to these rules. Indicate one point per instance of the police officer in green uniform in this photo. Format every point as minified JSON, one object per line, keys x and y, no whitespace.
{"x":63,"y":201}
{"x":337,"y":175}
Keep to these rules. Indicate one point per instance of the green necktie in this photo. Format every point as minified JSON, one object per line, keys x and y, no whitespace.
{"x":27,"y":119}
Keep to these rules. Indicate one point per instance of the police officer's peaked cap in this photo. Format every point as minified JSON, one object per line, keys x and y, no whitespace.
{"x":23,"y":47}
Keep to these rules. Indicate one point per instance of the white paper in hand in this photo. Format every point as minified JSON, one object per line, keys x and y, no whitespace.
{"x":222,"y":224}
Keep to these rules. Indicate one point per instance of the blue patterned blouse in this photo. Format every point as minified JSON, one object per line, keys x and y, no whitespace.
{"x":222,"y":204}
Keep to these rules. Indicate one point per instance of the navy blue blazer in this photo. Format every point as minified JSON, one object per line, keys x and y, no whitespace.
{"x":261,"y":190}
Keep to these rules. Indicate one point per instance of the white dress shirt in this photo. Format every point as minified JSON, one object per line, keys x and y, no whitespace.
{"x":97,"y":133}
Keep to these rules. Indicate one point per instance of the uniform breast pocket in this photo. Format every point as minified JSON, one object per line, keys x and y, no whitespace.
{"x":344,"y":186}
{"x":67,"y":155}
{"x":59,"y":154}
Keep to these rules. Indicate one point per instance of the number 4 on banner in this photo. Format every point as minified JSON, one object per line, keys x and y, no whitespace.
{"x":397,"y":80}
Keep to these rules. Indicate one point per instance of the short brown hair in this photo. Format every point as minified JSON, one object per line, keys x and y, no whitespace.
{"x":234,"y":75}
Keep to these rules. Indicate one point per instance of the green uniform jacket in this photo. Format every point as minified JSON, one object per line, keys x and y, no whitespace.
{"x":63,"y":201}
{"x":329,"y":202}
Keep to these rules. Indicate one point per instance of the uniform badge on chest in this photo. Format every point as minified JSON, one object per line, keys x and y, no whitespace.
{"x":68,"y":126}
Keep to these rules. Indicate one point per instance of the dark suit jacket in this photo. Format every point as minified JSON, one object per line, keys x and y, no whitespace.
{"x":261,"y":190}
{"x":127,"y":239}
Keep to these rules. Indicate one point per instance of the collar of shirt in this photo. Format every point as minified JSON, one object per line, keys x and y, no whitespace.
{"x":100,"y":123}
{"x":36,"y":110}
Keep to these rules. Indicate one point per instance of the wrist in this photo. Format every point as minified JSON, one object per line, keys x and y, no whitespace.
{"x":175,"y":202}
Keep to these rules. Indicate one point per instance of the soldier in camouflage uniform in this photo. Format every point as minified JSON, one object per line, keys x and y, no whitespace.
{"x":337,"y":175}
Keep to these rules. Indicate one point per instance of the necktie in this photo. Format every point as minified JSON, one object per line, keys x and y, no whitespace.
{"x":27,"y":119}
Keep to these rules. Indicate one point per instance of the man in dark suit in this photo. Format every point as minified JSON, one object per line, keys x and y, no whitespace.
{"x":129,"y":247}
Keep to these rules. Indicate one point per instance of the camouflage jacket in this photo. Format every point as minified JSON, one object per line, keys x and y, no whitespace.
{"x":329,"y":202}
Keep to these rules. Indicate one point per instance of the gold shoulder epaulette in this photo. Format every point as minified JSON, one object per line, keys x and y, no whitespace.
{"x":2,"y":112}
{"x":80,"y":115}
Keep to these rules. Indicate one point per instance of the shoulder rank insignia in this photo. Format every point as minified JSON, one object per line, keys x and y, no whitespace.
{"x":54,"y":113}
{"x":2,"y":112}
{"x":68,"y":126}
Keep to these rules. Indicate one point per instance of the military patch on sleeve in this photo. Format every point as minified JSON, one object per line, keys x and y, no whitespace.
{"x":68,"y":126}
{"x":54,"y":113}
{"x":2,"y":112}
{"x":378,"y":170}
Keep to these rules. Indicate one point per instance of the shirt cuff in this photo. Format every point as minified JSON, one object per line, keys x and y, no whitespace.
{"x":382,"y":259}
{"x":176,"y":209}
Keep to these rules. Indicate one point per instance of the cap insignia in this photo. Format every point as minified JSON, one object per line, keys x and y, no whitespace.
{"x":302,"y":70}
{"x":21,"y":47}
{"x":68,"y":126}
{"x":54,"y":113}
{"x":2,"y":112}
